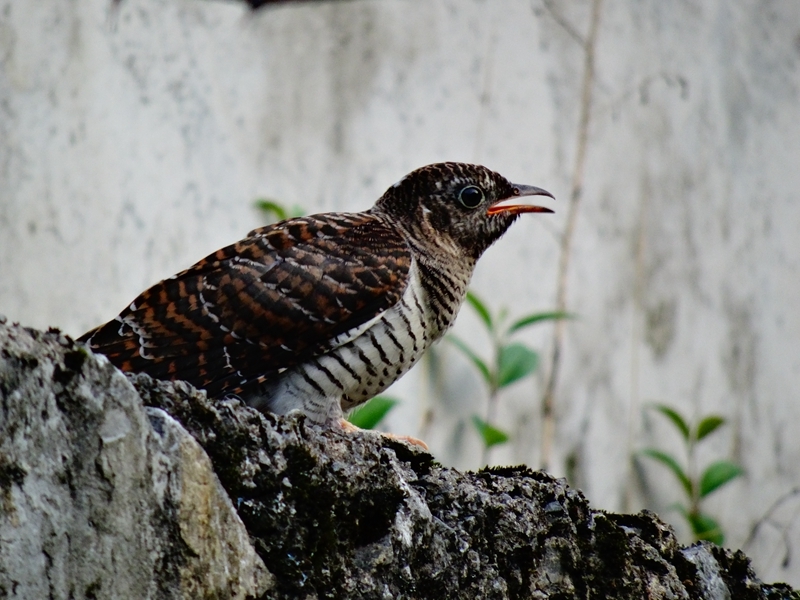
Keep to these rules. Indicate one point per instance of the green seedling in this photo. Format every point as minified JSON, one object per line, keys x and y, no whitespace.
{"x":510,"y":362}
{"x":277,"y":211}
{"x":695,"y":485}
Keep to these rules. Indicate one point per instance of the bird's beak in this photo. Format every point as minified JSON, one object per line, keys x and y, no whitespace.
{"x":504,"y":207}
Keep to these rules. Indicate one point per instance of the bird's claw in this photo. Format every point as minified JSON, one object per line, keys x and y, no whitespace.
{"x":350,"y":428}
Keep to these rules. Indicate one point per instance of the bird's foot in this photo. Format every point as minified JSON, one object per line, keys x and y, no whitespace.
{"x":348,"y":426}
{"x":408,"y":439}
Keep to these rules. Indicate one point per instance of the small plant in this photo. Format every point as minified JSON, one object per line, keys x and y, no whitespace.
{"x":277,"y":211}
{"x":696,"y":486}
{"x":510,"y":362}
{"x":371,"y":413}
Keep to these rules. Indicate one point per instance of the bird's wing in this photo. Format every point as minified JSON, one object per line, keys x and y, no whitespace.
{"x":284,"y":294}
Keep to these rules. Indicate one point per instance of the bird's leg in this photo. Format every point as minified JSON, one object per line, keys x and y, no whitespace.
{"x":349,"y":427}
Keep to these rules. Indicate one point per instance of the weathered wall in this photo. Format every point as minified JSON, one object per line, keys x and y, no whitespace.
{"x":134,"y":140}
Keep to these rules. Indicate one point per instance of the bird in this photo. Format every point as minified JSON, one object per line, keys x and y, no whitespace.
{"x":323,"y":312}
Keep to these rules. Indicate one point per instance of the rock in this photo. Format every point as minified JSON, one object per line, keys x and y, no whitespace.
{"x":101,"y":497}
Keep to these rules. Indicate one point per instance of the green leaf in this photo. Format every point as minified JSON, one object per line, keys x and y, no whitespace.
{"x":718,"y":474}
{"x":705,"y":528}
{"x":491,"y":435}
{"x":476,"y":360}
{"x":668,"y":461}
{"x":514,"y":362}
{"x":281,"y":212}
{"x":481,"y":309}
{"x":538,"y":318}
{"x":676,"y":418}
{"x":677,"y":506}
{"x":370,"y":414}
{"x":272,"y":207}
{"x":708,"y":425}
{"x":296,"y":211}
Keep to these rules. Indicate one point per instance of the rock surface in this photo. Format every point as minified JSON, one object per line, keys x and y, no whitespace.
{"x":101,"y":497}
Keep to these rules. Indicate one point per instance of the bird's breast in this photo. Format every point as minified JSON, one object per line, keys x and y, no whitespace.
{"x":369,"y":359}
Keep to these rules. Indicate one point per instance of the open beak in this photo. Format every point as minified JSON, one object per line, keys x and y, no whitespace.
{"x":505,"y":207}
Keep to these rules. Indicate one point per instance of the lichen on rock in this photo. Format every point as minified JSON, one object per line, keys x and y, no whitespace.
{"x":101,"y":499}
{"x":103,"y":493}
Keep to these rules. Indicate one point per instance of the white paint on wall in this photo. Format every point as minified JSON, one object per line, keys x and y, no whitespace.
{"x":134,"y":141}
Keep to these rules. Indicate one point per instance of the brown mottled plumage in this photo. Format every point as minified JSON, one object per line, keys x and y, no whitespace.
{"x":271,"y":299}
{"x":320,"y":313}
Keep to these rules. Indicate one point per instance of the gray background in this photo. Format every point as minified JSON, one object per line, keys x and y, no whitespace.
{"x":134,"y":140}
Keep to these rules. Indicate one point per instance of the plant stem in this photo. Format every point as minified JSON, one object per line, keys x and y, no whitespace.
{"x":576,"y":194}
{"x":491,"y":409}
{"x":496,"y":335}
{"x":694,"y":501}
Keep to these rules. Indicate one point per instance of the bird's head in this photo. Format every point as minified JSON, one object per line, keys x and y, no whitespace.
{"x":469,"y":204}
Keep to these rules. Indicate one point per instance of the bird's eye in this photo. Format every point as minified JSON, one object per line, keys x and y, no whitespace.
{"x":471,"y":196}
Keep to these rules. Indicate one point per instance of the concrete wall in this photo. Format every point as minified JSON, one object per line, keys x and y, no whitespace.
{"x":133,"y":141}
